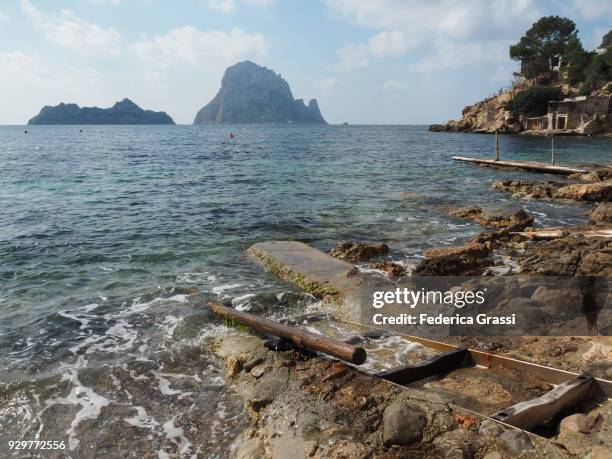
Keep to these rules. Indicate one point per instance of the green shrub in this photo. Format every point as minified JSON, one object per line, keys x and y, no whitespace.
{"x":534,"y":101}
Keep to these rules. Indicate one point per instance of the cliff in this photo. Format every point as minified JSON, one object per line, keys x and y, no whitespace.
{"x":485,"y":116}
{"x":538,"y":110}
{"x":124,"y":112}
{"x":254,"y":94}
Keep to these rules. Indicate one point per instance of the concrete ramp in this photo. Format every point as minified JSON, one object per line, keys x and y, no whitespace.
{"x":338,"y":282}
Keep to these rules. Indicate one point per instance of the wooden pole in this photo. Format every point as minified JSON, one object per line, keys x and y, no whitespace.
{"x":552,"y":150}
{"x":496,"y":146}
{"x":302,"y":338}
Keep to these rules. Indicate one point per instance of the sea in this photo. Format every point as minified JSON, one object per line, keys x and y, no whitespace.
{"x":108,"y":232}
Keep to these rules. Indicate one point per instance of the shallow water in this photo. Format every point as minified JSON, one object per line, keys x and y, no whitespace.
{"x":104,"y":231}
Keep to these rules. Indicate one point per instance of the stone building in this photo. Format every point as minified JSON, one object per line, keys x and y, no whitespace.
{"x":575,"y":115}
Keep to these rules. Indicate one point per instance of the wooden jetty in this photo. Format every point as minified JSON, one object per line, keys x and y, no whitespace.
{"x":524,"y":165}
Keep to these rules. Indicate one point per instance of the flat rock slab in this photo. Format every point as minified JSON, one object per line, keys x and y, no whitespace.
{"x":316,"y":272}
{"x":311,"y":269}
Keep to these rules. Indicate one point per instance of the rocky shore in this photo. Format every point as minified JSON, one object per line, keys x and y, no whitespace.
{"x":304,"y":406}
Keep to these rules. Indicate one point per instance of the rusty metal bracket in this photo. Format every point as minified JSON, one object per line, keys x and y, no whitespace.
{"x":529,"y":414}
{"x":436,"y":365}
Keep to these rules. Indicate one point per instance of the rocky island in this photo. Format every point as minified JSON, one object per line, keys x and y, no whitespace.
{"x":561,"y":89}
{"x":124,"y":112}
{"x":251,"y":93}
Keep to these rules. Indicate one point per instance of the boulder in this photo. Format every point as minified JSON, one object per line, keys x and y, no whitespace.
{"x":490,"y":428}
{"x":594,"y":192}
{"x":356,"y":251}
{"x":565,"y":300}
{"x":515,"y":441}
{"x":389,"y":268}
{"x":467,"y":260}
{"x":602,"y":214}
{"x":403,"y":424}
{"x":457,"y":444}
{"x":529,"y":190}
{"x":515,"y":220}
{"x":578,"y":423}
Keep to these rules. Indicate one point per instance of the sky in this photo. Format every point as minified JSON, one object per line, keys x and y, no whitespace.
{"x":365,"y":61}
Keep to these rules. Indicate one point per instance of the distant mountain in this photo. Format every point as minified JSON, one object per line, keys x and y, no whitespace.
{"x":254,"y":94}
{"x":124,"y":112}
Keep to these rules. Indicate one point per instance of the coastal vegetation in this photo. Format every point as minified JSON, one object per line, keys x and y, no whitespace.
{"x":551,"y":52}
{"x":560,"y":87}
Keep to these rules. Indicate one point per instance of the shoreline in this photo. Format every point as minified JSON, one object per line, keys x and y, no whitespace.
{"x":419,"y":410}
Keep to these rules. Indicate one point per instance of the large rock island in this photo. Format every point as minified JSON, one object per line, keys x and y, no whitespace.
{"x":254,"y":94}
{"x":124,"y":112}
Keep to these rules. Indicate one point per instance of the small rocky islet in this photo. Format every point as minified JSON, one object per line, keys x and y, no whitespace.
{"x":123,"y":112}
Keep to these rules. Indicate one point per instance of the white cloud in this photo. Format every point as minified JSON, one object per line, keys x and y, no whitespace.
{"x":189,"y":45}
{"x":74,"y":33}
{"x":229,"y":6}
{"x":448,"y":54}
{"x":325,"y":85}
{"x":20,"y":66}
{"x":589,"y":9}
{"x":107,"y":2}
{"x":394,"y":85}
{"x":384,"y":44}
{"x":426,"y":28}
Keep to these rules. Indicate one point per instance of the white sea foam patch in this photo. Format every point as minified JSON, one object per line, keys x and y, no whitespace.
{"x":91,"y":405}
{"x":222,"y":288}
{"x":177,"y":436}
{"x":241,"y":303}
{"x":164,"y":384}
{"x":81,"y":314}
{"x":137,"y":307}
{"x":142,"y":419}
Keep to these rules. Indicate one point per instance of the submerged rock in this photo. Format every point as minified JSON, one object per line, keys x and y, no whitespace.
{"x":356,"y":251}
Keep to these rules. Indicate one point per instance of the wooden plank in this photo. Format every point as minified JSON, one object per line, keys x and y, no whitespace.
{"x":437,"y":365}
{"x":555,"y":376}
{"x":526,"y":165}
{"x":531,"y":413}
{"x":299,"y":337}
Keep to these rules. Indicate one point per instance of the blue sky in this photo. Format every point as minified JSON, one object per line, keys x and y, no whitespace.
{"x":366,"y":61}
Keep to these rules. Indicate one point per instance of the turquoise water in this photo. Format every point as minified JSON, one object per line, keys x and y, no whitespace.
{"x":105,"y":230}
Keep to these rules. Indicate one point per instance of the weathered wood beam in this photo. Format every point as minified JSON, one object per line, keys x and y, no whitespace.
{"x":531,"y":413}
{"x":299,"y":337}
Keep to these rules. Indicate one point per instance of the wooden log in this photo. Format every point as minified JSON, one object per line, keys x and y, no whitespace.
{"x":525,"y":165}
{"x":605,"y":233}
{"x":529,"y":414}
{"x":299,"y":337}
